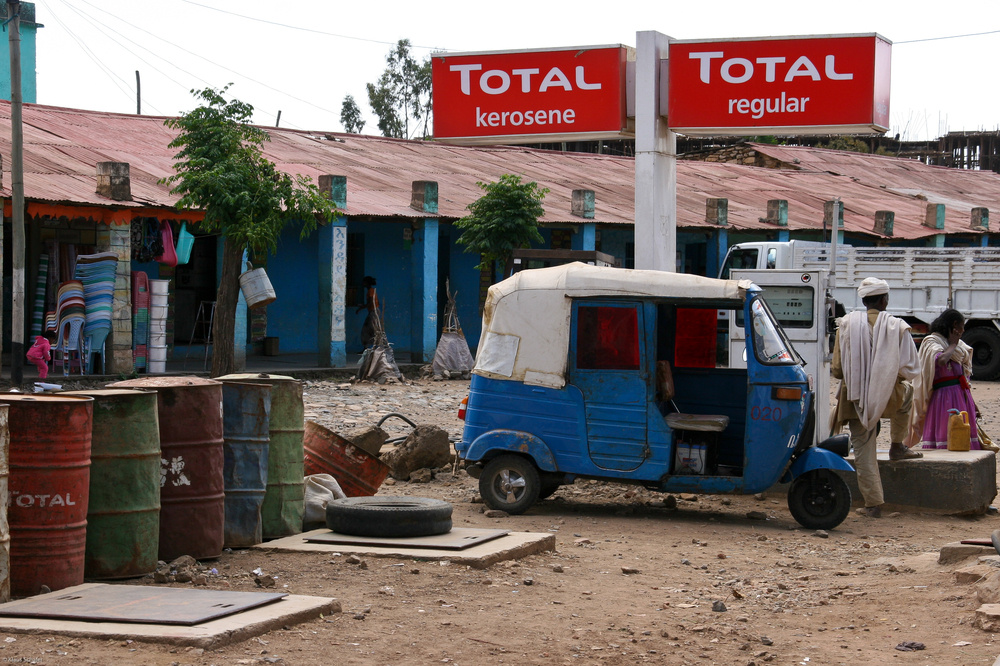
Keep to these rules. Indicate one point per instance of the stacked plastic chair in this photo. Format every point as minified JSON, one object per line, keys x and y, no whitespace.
{"x":97,"y":273}
{"x":140,"y":319}
{"x":71,"y":315}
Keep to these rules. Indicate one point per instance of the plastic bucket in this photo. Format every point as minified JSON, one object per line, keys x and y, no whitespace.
{"x":156,"y":367}
{"x":157,"y":312}
{"x":157,"y":353}
{"x":159,"y":287}
{"x":257,"y":288}
{"x":158,"y":326}
{"x":159,"y":300}
{"x":49,"y":490}
{"x":358,"y":472}
{"x":246,"y":412}
{"x":158,"y":339}
{"x":284,"y":503}
{"x":192,"y":497}
{"x":123,"y":518}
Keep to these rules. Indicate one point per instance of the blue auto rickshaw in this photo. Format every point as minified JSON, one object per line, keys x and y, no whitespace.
{"x":607,"y":373}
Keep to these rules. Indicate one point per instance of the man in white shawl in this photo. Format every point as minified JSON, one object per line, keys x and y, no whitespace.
{"x":874,"y":356}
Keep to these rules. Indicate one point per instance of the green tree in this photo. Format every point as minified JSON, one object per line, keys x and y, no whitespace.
{"x":502,"y":220}
{"x":221,"y":170}
{"x":350,"y":116}
{"x":402,"y":95}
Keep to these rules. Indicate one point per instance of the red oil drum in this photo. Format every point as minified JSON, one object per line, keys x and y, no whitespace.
{"x":49,"y":489}
{"x":123,"y":518}
{"x":358,"y":472}
{"x":192,"y":496}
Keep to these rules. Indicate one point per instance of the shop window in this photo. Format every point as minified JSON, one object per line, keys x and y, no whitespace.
{"x":607,"y":338}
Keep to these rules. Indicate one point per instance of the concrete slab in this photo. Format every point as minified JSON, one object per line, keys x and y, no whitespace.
{"x":514,"y":545}
{"x":947,"y":482}
{"x":292,"y":609}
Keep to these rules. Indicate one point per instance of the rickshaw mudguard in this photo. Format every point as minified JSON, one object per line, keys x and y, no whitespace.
{"x":514,"y":441}
{"x":815,"y":458}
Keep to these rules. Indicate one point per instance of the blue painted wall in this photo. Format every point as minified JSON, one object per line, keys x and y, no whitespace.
{"x":294,"y":274}
{"x":29,"y":29}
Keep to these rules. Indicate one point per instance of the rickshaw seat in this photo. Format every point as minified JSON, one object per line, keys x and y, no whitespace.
{"x":677,"y":420}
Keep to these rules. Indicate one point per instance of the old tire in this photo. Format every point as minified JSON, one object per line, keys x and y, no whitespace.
{"x":510,"y":483}
{"x":389,"y":517}
{"x":985,"y":343}
{"x":819,"y":499}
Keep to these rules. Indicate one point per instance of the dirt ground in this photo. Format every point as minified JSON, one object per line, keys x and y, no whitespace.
{"x":632,"y":580}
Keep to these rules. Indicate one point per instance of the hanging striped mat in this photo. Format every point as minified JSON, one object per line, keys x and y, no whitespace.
{"x":38,"y":314}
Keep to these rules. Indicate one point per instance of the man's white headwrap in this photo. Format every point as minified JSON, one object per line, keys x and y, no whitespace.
{"x":872,"y":286}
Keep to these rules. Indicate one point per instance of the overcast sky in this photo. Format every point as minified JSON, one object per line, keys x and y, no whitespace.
{"x":301,"y":58}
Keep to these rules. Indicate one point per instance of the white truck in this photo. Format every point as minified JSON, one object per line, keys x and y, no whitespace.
{"x":924,"y":281}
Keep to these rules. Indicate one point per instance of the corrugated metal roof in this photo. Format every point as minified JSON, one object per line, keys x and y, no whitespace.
{"x":63,"y":146}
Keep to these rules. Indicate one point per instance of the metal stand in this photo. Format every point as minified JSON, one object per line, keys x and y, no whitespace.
{"x":204,"y":319}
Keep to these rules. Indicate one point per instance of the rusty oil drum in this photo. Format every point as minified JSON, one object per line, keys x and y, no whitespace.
{"x":4,"y":492}
{"x":192,"y":497}
{"x":246,"y":410}
{"x":284,"y":502}
{"x":123,"y":519}
{"x":358,"y":472}
{"x":49,"y":490}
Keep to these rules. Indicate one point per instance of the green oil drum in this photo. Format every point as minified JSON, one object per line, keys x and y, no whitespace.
{"x":123,"y":518}
{"x":284,"y":504}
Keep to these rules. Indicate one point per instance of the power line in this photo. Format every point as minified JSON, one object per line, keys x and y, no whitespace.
{"x":935,"y":39}
{"x":295,"y":27}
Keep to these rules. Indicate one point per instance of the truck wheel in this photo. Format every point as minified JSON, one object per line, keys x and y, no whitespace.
{"x":389,"y":517}
{"x":509,"y":483}
{"x":819,"y":499}
{"x":985,"y":343}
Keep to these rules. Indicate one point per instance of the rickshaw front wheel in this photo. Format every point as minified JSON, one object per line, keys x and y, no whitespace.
{"x":819,"y":499}
{"x":509,"y":483}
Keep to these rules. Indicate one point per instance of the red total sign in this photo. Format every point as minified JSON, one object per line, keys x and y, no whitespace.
{"x":836,"y":84}
{"x":546,"y":94}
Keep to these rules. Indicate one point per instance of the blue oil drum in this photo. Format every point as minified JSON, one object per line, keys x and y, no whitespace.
{"x":246,"y":413}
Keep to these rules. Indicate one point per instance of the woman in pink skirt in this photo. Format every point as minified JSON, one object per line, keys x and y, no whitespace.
{"x":943,"y":383}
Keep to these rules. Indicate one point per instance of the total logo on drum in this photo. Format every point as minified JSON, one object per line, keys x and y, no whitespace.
{"x":39,"y":500}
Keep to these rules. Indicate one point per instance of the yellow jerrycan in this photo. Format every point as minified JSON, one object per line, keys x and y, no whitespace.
{"x":958,"y":430}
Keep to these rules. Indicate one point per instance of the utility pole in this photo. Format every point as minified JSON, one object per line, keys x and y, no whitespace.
{"x":17,"y":189}
{"x":138,"y":95}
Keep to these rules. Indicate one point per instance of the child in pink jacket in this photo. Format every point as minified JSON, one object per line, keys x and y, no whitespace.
{"x":40,"y":353}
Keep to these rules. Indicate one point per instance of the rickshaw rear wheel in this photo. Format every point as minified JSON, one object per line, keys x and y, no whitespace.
{"x":510,"y":483}
{"x":819,"y":499}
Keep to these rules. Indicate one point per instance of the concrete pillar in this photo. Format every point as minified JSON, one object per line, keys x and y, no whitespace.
{"x":583,"y":204}
{"x":833,"y":218}
{"x":655,"y":159}
{"x":424,"y":258}
{"x":332,"y":262}
{"x":777,"y":212}
{"x":586,"y":237}
{"x":118,"y":346}
{"x":884,"y":220}
{"x":717,"y":213}
{"x":934,"y":217}
{"x":113,"y":181}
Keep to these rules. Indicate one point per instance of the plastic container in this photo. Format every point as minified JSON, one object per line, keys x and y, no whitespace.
{"x":157,"y":326}
{"x":157,"y":353}
{"x":959,"y":431}
{"x":157,"y":312}
{"x":161,"y":300}
{"x":257,"y":287}
{"x":156,"y":367}
{"x":358,"y":472}
{"x":159,"y":287}
{"x":158,"y":339}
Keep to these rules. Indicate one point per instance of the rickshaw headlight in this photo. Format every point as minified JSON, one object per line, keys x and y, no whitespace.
{"x":786,"y":393}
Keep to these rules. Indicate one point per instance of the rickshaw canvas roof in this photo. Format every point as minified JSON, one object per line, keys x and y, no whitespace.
{"x":526,"y":320}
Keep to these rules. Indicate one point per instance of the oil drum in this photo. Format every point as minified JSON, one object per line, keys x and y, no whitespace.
{"x":192,"y":496}
{"x":123,"y":518}
{"x":358,"y":472}
{"x":246,"y":412}
{"x":284,"y":502}
{"x":4,"y":492}
{"x":49,"y":489}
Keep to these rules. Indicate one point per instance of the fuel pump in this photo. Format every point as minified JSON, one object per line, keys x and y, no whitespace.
{"x":800,"y":302}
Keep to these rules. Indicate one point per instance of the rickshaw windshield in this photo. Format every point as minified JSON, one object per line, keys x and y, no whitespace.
{"x":770,"y":345}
